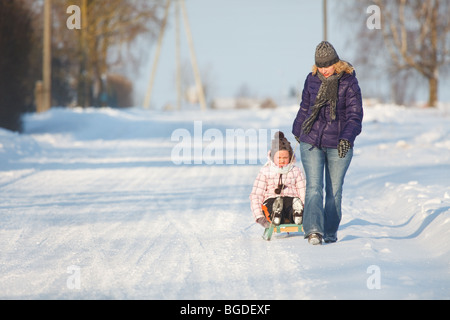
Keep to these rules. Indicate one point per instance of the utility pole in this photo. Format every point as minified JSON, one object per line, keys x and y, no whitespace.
{"x":84,"y":48}
{"x":148,"y":95}
{"x":198,"y":83}
{"x":178,"y":54}
{"x":47,"y":58}
{"x":325,"y":21}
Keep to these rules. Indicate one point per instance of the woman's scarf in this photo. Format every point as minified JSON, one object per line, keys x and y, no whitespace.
{"x":328,"y":92}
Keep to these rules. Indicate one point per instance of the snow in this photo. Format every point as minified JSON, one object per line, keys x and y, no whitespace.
{"x":93,"y":206}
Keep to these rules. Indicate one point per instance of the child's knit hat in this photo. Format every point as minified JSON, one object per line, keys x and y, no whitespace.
{"x":279,"y":142}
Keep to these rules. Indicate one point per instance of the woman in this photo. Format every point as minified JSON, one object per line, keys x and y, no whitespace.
{"x":326,"y":126}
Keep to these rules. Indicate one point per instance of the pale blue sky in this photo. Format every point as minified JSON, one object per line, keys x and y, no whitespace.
{"x":267,"y":45}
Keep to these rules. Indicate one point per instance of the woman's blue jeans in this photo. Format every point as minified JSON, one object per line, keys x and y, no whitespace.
{"x":317,"y":217}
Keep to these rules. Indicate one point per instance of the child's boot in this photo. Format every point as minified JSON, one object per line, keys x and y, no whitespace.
{"x":277,"y":208}
{"x":297,"y":206}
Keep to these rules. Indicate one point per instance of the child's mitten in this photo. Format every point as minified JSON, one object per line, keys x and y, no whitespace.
{"x":263,"y":222}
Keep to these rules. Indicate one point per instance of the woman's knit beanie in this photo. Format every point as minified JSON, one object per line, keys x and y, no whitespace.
{"x":326,"y":55}
{"x":279,"y":142}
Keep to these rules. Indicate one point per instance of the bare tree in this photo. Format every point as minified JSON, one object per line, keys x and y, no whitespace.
{"x":416,"y":34}
{"x":414,"y":38}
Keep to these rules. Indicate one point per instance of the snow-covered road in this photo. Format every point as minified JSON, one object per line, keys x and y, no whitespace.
{"x":93,"y":205}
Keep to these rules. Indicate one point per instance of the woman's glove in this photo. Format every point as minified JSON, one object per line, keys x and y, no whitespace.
{"x":343,"y":147}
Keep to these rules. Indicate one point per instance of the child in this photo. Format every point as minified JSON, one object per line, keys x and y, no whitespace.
{"x":279,"y":187}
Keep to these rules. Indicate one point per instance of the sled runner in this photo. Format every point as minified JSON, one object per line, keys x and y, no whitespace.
{"x":289,"y":227}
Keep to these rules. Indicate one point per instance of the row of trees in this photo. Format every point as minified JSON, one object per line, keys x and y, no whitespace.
{"x":412,"y":38}
{"x":87,"y":63}
{"x":109,"y":29}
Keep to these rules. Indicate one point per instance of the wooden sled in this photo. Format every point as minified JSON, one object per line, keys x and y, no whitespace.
{"x":268,"y":232}
{"x":288,"y":227}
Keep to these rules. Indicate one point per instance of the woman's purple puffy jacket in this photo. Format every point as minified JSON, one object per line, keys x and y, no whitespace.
{"x":349,"y":113}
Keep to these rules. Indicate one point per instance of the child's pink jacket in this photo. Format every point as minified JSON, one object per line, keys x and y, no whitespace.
{"x":267,"y":181}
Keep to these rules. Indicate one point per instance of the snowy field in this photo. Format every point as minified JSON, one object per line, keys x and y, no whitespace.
{"x":136,"y":204}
